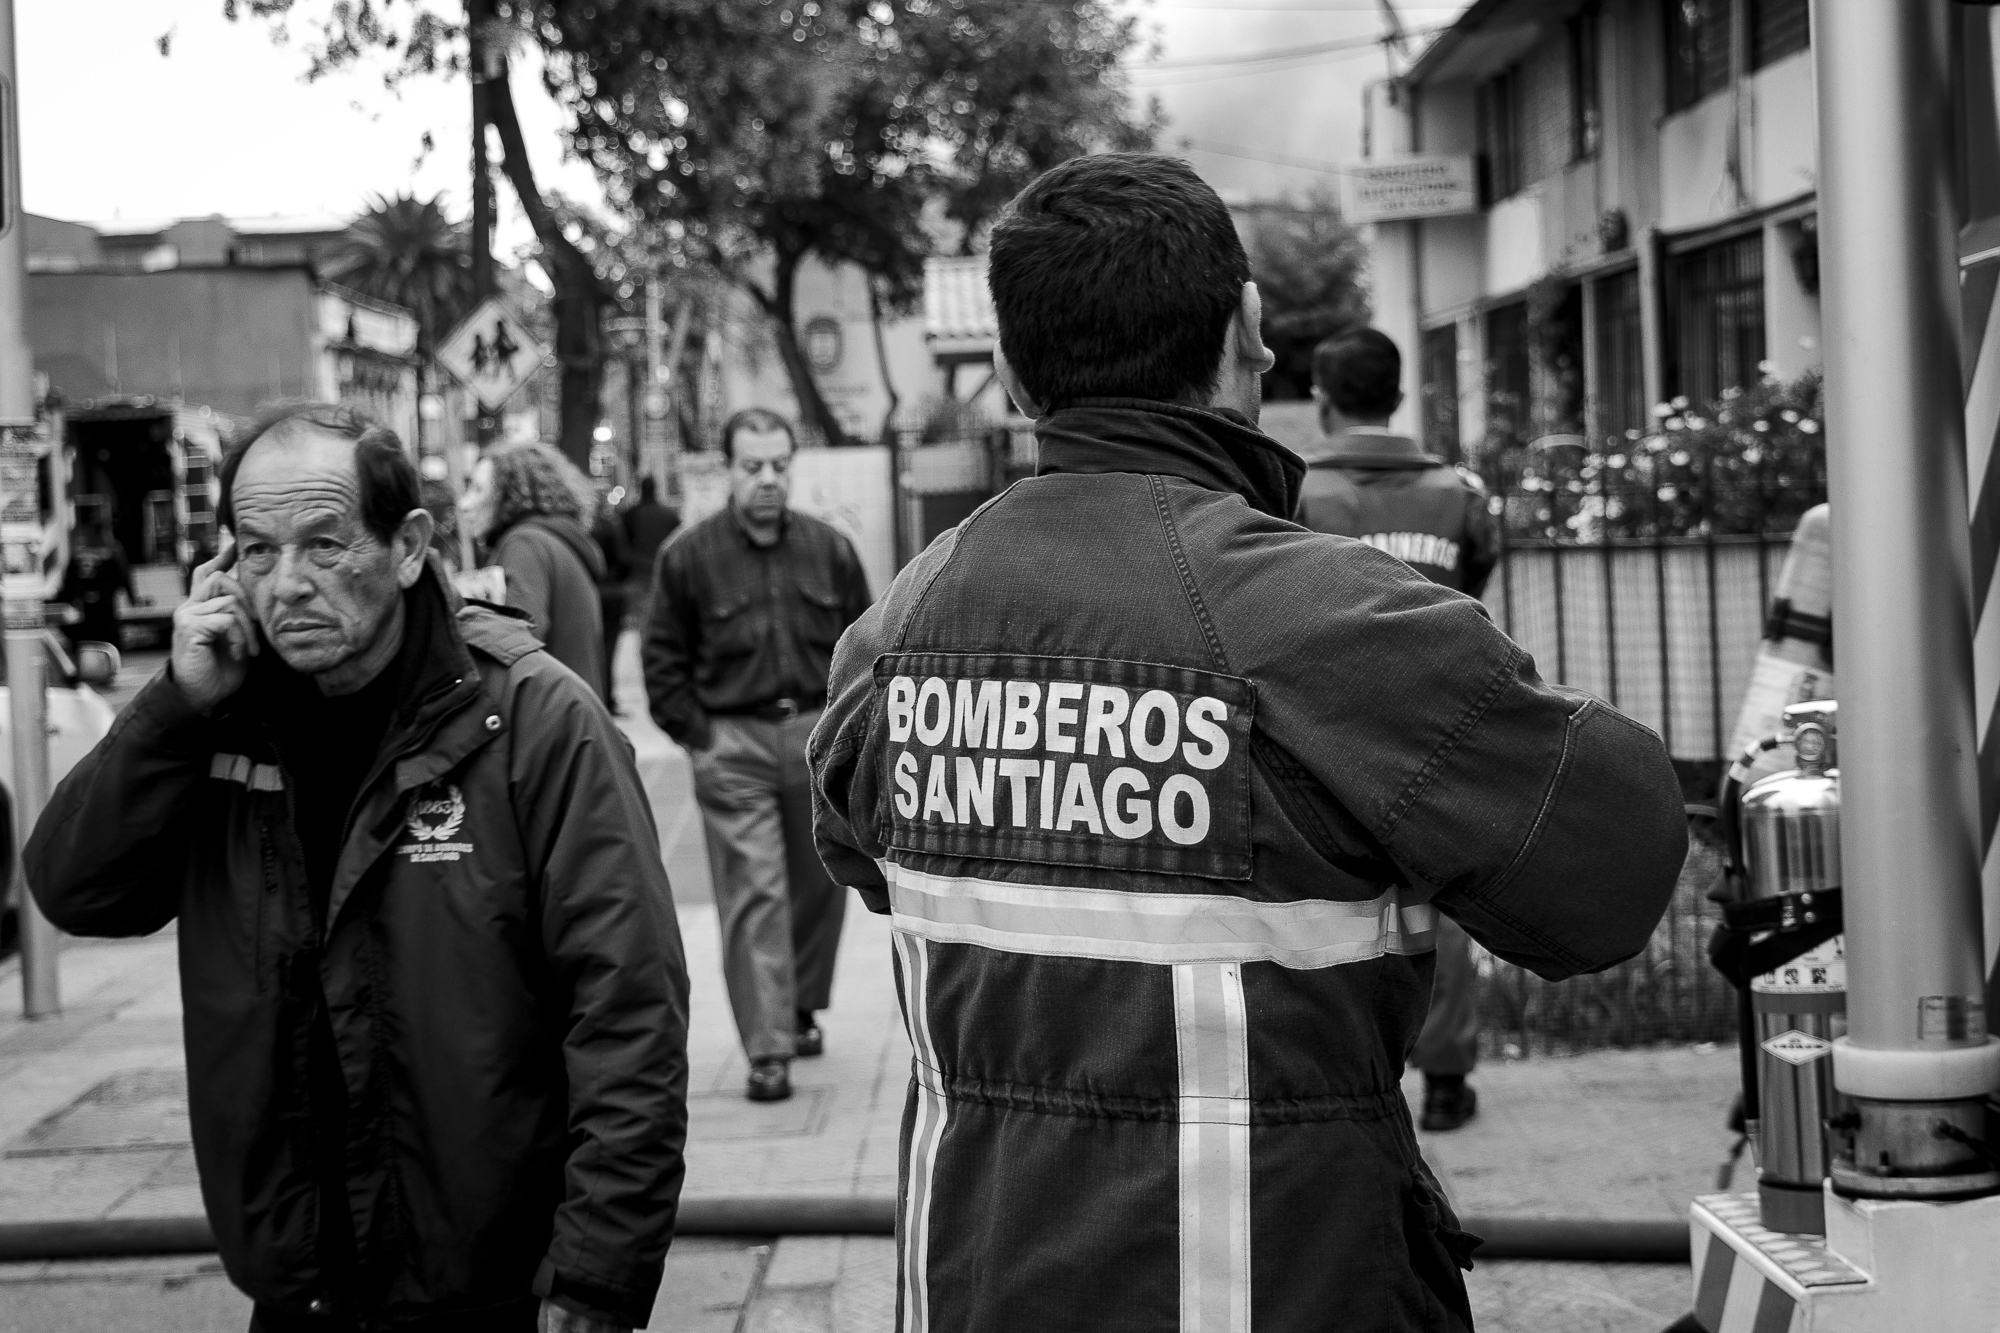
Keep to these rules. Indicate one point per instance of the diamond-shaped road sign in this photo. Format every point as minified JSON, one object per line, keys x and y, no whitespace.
{"x":492,"y":353}
{"x":1796,"y":1047}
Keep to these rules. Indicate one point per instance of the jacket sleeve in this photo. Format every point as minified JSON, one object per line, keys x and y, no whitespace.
{"x":1548,"y":824}
{"x":672,"y":639}
{"x":614,"y":952}
{"x":108,"y":853}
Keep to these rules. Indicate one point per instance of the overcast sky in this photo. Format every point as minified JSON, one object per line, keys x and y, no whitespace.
{"x":223,"y":124}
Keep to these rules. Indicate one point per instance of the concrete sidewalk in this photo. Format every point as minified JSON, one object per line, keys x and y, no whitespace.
{"x":93,"y":1125}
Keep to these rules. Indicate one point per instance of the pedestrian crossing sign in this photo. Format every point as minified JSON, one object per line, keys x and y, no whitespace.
{"x":492,"y":353}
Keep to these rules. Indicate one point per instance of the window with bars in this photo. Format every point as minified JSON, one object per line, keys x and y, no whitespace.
{"x":1697,"y":50}
{"x":1778,"y":28}
{"x":1619,"y":395}
{"x":1586,"y":110}
{"x":1438,"y":371}
{"x":1500,"y":134}
{"x":1509,"y":375}
{"x":1715,"y":310}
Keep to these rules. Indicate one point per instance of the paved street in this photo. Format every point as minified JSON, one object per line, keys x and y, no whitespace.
{"x":93,"y":1124}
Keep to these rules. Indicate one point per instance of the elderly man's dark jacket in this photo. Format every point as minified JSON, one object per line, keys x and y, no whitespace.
{"x":1164,"y":794}
{"x":502,"y":971}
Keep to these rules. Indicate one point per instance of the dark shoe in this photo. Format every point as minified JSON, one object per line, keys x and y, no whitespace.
{"x":811,"y":1040}
{"x":770,"y":1081}
{"x":1448,"y":1103}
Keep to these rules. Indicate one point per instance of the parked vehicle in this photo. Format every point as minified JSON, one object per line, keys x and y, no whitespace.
{"x":147,"y":467}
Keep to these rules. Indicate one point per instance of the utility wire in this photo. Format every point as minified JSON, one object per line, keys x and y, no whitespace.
{"x":1277,"y":159}
{"x":1276,"y":53}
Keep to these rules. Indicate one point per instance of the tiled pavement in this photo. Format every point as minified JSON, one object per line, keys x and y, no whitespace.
{"x":1608,"y":1134}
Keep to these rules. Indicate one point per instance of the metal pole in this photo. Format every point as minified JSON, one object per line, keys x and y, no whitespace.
{"x":21,"y":540}
{"x":478,"y":13}
{"x":1917,"y":1059}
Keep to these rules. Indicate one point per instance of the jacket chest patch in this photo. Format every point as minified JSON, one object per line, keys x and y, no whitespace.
{"x":1077,"y":761}
{"x":437,"y":813}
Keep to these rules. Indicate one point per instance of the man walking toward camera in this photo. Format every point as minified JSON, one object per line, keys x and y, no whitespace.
{"x":746,"y":609}
{"x":1365,"y":481}
{"x":1165,"y":794}
{"x":436,"y":1005}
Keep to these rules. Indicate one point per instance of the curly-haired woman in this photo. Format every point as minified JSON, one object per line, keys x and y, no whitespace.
{"x":528,"y":505}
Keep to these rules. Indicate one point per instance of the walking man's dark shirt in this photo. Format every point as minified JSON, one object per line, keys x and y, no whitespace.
{"x":741,"y":625}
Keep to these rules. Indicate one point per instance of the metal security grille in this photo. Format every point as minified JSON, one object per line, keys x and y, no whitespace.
{"x":1438,"y":369}
{"x":1715,"y":311}
{"x":1500,"y":134}
{"x":1620,"y":407}
{"x":1777,"y":29}
{"x":1509,"y":374}
{"x":1697,"y":50}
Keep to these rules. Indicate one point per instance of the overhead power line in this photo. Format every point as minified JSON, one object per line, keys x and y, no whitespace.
{"x":1297,"y":52}
{"x":1277,"y":159}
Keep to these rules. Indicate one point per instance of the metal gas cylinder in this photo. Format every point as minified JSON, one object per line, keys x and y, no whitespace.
{"x":1791,"y":842}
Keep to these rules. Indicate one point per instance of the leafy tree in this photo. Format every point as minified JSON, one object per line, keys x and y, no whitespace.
{"x":756,"y":135}
{"x":436,"y":39}
{"x":404,"y":250}
{"x":1310,"y":266}
{"x":1011,"y":90}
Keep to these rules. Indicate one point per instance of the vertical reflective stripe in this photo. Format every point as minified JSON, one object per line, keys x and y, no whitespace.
{"x":925,"y":1136}
{"x":1214,"y":1049}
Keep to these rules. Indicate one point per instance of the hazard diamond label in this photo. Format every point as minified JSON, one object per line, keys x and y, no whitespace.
{"x":1796,"y":1047}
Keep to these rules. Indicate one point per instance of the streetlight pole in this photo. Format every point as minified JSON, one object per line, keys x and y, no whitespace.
{"x":1917,"y":1059}
{"x":21,"y":448}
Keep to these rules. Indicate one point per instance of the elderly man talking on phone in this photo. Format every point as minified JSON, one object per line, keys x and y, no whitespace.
{"x":436,"y":1007}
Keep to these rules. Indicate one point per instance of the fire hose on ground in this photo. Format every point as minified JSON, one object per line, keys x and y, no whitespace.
{"x":1574,"y":1239}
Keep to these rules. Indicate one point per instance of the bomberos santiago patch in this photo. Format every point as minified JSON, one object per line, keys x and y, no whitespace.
{"x":437,"y":813}
{"x":1071,"y":761}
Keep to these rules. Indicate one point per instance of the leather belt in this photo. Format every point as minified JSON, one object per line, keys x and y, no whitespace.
{"x":775,"y":710}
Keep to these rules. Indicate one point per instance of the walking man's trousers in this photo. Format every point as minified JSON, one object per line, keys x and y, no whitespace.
{"x":780,"y":913}
{"x":1449,"y":1043}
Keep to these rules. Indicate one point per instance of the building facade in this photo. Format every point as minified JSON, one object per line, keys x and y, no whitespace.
{"x":1647,"y":228}
{"x":213,"y":315}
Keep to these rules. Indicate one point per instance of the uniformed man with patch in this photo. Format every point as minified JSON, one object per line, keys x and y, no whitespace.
{"x":1165,"y":794}
{"x":1368,"y":482}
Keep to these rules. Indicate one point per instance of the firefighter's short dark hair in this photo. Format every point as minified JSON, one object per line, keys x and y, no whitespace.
{"x":1116,"y":276}
{"x":1360,"y":372}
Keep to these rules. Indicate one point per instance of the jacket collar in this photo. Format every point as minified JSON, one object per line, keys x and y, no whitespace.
{"x":1213,"y":448}
{"x":1368,"y":446}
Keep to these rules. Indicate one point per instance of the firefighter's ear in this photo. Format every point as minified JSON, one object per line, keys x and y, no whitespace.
{"x":1011,"y":382}
{"x":409,"y":544}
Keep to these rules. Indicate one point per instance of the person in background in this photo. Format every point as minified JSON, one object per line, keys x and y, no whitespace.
{"x":97,"y":573}
{"x":436,"y":1001}
{"x":527,"y":504}
{"x":1163,"y":795}
{"x":647,"y":525}
{"x":443,"y":509}
{"x":746,"y":609}
{"x":613,"y":590}
{"x":1365,"y":481}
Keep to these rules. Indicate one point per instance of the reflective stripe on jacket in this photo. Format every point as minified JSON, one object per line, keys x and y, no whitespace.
{"x":502,"y":973}
{"x":1380,"y":488}
{"x":1162,"y":792}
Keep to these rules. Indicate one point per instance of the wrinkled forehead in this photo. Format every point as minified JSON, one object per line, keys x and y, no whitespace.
{"x":761,"y":446}
{"x":292,"y":475}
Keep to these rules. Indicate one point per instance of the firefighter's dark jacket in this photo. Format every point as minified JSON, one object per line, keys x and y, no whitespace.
{"x":1383,"y":489}
{"x":1162,"y":792}
{"x":503,"y":973}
